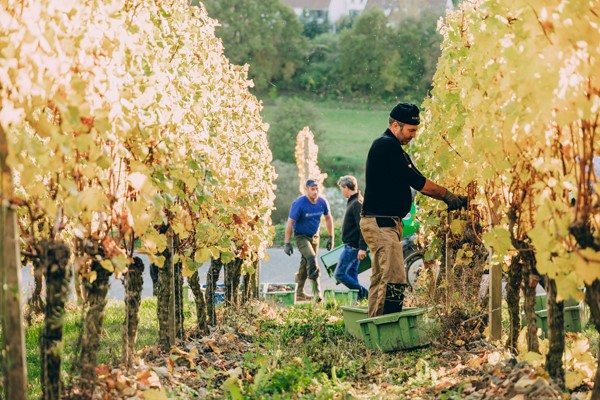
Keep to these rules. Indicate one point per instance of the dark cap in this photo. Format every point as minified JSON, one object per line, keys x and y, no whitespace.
{"x":311,"y":182}
{"x":406,"y":113}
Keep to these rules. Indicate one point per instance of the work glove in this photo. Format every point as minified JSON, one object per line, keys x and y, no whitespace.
{"x":329,"y":243}
{"x":455,"y":202}
{"x":288,"y":249}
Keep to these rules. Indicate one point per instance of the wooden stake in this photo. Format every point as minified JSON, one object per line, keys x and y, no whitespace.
{"x":171,"y":267}
{"x":495,"y":304}
{"x":14,"y":366}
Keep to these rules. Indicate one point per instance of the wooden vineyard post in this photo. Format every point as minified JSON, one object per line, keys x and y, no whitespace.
{"x":171,"y":269}
{"x":495,"y":304}
{"x":12,"y":353}
{"x":14,"y":367}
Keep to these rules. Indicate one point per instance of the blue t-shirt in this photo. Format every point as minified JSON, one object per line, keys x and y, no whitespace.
{"x":307,"y":216}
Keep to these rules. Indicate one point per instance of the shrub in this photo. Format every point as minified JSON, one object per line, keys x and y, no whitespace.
{"x":291,"y":115}
{"x":286,"y":191}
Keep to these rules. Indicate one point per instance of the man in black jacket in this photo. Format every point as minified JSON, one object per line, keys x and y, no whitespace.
{"x":390,"y":174}
{"x":355,"y":248}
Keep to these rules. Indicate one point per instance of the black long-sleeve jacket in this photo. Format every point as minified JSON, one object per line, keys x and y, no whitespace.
{"x":351,"y":234}
{"x":390,"y":173}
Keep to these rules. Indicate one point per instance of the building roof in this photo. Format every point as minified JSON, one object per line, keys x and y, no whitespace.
{"x":398,"y":9}
{"x":308,"y":4}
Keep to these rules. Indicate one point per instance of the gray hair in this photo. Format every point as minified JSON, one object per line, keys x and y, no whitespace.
{"x":392,"y":120}
{"x":348,"y":181}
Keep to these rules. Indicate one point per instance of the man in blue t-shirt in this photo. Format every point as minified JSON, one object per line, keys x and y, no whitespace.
{"x":305,"y":220}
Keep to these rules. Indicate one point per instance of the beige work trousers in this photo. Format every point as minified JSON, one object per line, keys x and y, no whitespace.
{"x":387,"y":261}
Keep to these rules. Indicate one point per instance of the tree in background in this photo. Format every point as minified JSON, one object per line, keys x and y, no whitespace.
{"x":321,"y":73}
{"x":345,"y":22}
{"x":313,"y":25}
{"x":286,"y":191}
{"x":366,"y":50}
{"x":262,"y":33}
{"x":292,"y":115}
{"x":415,"y":55}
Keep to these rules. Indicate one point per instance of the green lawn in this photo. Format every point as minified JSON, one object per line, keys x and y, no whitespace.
{"x":347,"y":130}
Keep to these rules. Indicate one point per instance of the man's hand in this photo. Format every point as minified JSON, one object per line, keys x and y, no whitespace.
{"x":362,"y":254}
{"x":455,"y":202}
{"x":329,"y":243}
{"x":288,"y":249}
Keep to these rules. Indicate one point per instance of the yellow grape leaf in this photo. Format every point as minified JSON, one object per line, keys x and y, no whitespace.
{"x":574,"y":379}
{"x":186,"y":271}
{"x":227,"y":256}
{"x":159,"y":261}
{"x":120,"y":263}
{"x":141,"y":217}
{"x":525,"y":382}
{"x":499,"y":239}
{"x":155,"y":394}
{"x":214,"y":253}
{"x":83,"y":142}
{"x":107,"y":265}
{"x":202,"y":255}
{"x":179,"y":229}
{"x":587,"y":266}
{"x":89,"y":171}
{"x":93,"y":199}
{"x":458,"y":226}
{"x":568,"y":286}
{"x":154,"y":242}
{"x":103,"y":162}
{"x":533,"y":358}
{"x":92,"y":275}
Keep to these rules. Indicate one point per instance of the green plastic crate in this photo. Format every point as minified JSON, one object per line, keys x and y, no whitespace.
{"x":282,"y":298}
{"x":352,"y":314}
{"x":341,"y":297}
{"x":540,"y":302}
{"x":280,"y":287}
{"x":331,"y":258}
{"x":398,"y":331}
{"x":286,"y":297}
{"x":572,"y":320}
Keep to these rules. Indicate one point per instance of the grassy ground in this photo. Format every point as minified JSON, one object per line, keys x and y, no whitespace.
{"x":110,"y":343}
{"x":264,"y":351}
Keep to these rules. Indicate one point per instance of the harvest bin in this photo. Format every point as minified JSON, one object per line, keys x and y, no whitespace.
{"x":398,"y":331}
{"x":341,"y":297}
{"x":351,"y":316}
{"x":572,"y":320}
{"x":331,"y":258}
{"x":572,"y":313}
{"x":281,"y":293}
{"x":540,"y":302}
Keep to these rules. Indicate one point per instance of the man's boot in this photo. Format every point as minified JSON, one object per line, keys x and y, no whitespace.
{"x":394,"y":298}
{"x":300,"y":294}
{"x":316,"y":288}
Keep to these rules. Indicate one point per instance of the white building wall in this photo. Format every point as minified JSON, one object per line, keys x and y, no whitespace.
{"x":337,"y":9}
